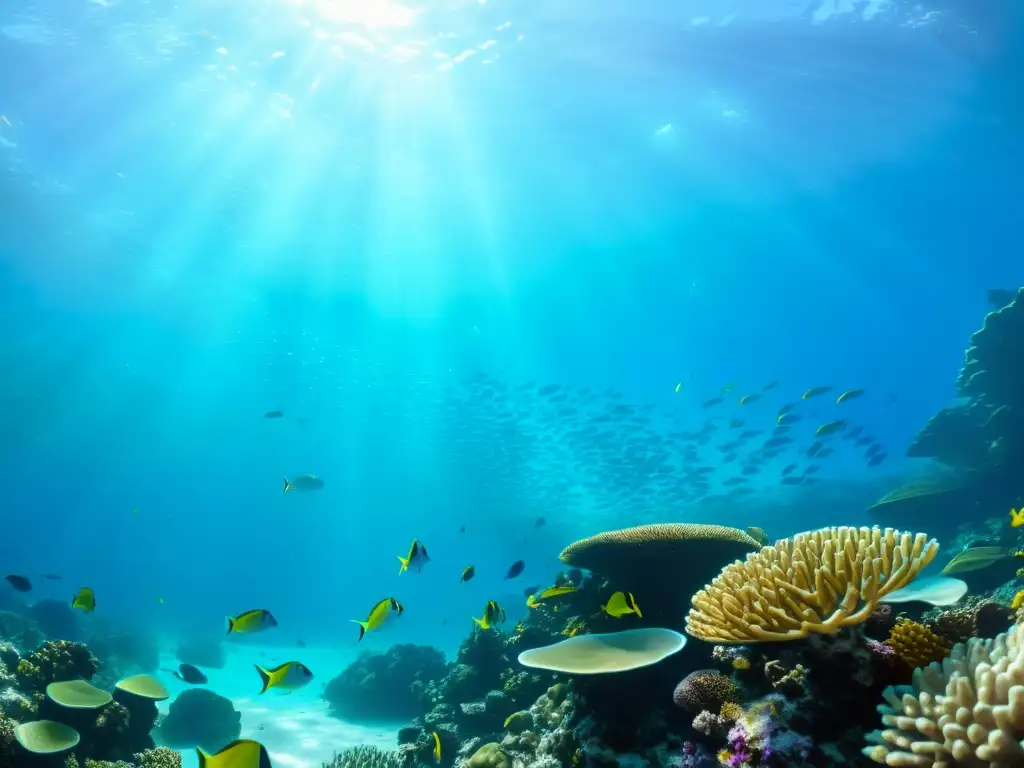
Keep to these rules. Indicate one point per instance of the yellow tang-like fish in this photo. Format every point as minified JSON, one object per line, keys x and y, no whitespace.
{"x":243,"y":753}
{"x":303,"y":484}
{"x":620,"y":604}
{"x":289,"y":676}
{"x":468,"y":573}
{"x":1016,"y":518}
{"x":378,"y":615}
{"x":416,"y":558}
{"x":493,"y":614}
{"x":256,"y":620}
{"x":437,"y":746}
{"x":84,"y":599}
{"x":551,"y":592}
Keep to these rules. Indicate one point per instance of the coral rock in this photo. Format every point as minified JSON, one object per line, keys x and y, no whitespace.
{"x":705,"y":689}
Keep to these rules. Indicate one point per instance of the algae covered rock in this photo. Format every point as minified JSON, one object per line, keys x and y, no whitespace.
{"x":198,"y":717}
{"x":385,"y":686}
{"x":489,"y":756}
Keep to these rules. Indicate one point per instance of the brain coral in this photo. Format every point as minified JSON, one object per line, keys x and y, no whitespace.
{"x":705,"y":689}
{"x":967,"y":711}
{"x":817,"y":582}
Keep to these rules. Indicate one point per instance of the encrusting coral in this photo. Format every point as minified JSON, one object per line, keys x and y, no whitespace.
{"x":815,"y":583}
{"x":966,"y":711}
{"x":916,"y":645}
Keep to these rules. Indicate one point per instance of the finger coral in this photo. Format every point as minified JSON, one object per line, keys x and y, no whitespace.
{"x":966,"y":711}
{"x":916,"y":645}
{"x":814,"y":583}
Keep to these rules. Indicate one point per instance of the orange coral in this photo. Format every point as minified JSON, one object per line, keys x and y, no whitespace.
{"x":916,"y":645}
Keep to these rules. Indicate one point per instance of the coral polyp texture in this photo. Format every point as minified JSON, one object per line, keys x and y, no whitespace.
{"x":967,"y":711}
{"x":814,"y":583}
{"x":916,"y":645}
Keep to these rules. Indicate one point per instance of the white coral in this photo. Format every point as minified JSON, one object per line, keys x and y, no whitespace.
{"x":967,"y":712}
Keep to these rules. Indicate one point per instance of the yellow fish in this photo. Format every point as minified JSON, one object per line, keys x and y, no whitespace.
{"x":850,"y":394}
{"x":830,"y":428}
{"x":493,"y":614}
{"x":550,"y":592}
{"x":1016,"y":518}
{"x":437,"y":746}
{"x":243,"y":753}
{"x":620,"y":604}
{"x":1018,"y":600}
{"x":256,"y":620}
{"x":749,"y":398}
{"x":532,"y":601}
{"x":814,"y":392}
{"x":84,"y":599}
{"x":679,"y":386}
{"x":378,"y":615}
{"x":468,"y":573}
{"x":416,"y":558}
{"x":289,"y":676}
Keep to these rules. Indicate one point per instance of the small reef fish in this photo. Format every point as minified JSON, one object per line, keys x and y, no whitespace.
{"x":243,"y":753}
{"x":976,"y":558}
{"x":729,"y":387}
{"x":679,"y":387}
{"x":551,"y":592}
{"x":467,"y":573}
{"x":190,"y":674}
{"x":749,"y":399}
{"x":515,"y":569}
{"x":850,"y":394}
{"x":20,"y":583}
{"x":770,"y":385}
{"x":416,"y":558}
{"x":290,"y":676}
{"x":273,"y":414}
{"x":1016,"y":518}
{"x":437,"y":746}
{"x":493,"y":614}
{"x":815,"y":392}
{"x":620,"y":604}
{"x":713,"y":401}
{"x":786,"y":409}
{"x":757,"y":534}
{"x":303,"y":484}
{"x":539,"y":522}
{"x":784,"y":419}
{"x":378,"y":615}
{"x":84,"y":600}
{"x":256,"y":620}
{"x":830,"y":428}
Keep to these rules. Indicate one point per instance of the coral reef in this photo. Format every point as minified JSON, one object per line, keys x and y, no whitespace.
{"x":916,"y":645}
{"x":661,"y":564}
{"x":198,"y":717}
{"x":817,"y":582}
{"x":704,"y":689}
{"x":364,"y":757}
{"x":968,"y":710}
{"x":389,"y":686}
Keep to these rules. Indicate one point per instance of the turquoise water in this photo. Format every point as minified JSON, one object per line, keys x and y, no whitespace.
{"x":402,"y":224}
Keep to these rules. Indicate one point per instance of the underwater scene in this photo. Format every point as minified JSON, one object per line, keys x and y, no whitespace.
{"x":511,"y":384}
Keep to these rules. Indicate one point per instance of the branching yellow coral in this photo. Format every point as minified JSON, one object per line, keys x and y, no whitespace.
{"x":815,"y":583}
{"x":916,"y":645}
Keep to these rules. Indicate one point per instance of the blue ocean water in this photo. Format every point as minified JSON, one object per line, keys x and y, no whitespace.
{"x":398,"y":223}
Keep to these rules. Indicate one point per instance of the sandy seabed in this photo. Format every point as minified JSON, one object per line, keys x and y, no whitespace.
{"x":295,"y":727}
